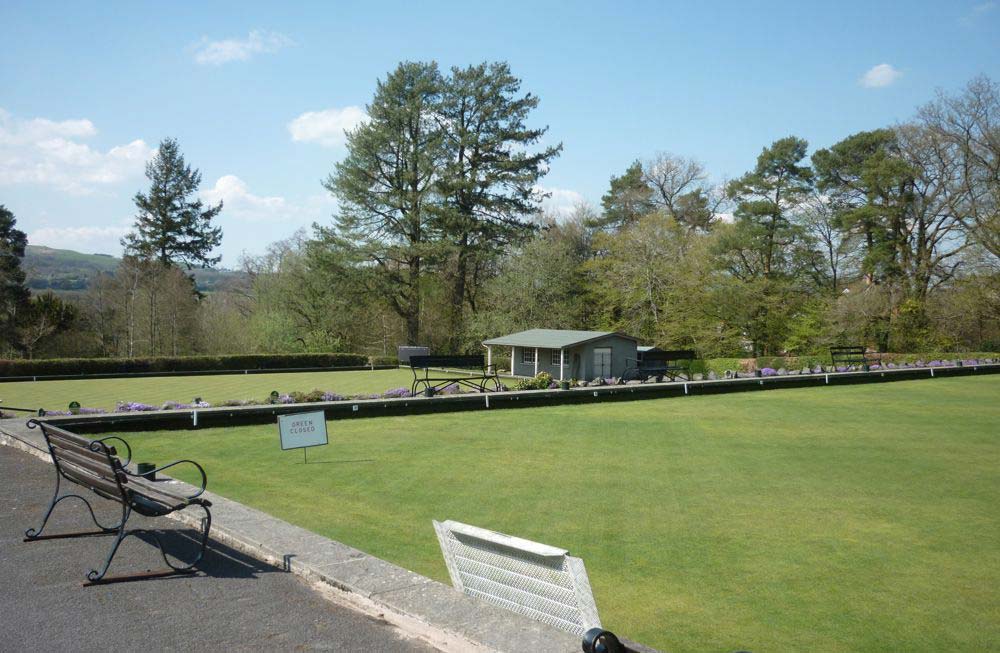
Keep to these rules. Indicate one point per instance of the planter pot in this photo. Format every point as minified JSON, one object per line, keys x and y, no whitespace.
{"x":428,"y":392}
{"x":145,"y":470}
{"x":564,"y":385}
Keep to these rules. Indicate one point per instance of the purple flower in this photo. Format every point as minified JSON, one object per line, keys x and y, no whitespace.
{"x":92,"y":411}
{"x":768,"y":371}
{"x":875,"y":366}
{"x":450,"y":389}
{"x":285,"y":399}
{"x":396,"y":393}
{"x":841,"y":368}
{"x":132,"y":407}
{"x":935,"y":363}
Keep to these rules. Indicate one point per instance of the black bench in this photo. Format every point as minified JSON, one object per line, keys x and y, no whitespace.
{"x":669,"y":364}
{"x":842,"y":356}
{"x":95,"y":465}
{"x":478,"y":378}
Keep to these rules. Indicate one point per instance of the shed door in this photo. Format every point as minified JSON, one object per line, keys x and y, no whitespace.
{"x":602,"y":362}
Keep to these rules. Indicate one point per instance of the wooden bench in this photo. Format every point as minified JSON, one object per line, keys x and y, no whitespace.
{"x":95,"y":465}
{"x":482,"y":379}
{"x":842,"y":356}
{"x":669,"y":364}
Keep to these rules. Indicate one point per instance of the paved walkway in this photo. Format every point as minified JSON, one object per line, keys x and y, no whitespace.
{"x":235,"y":603}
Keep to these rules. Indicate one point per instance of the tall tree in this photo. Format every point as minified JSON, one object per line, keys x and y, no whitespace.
{"x":386,"y":186}
{"x":173,"y":226}
{"x":762,"y":249}
{"x":764,"y":198}
{"x":628,"y":199}
{"x":868,"y":183}
{"x":970,"y":121}
{"x":488,"y":184}
{"x":45,"y":316}
{"x":680,"y":189}
{"x":14,"y":294}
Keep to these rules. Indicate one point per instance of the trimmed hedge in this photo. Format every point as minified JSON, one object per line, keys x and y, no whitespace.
{"x":79,"y":366}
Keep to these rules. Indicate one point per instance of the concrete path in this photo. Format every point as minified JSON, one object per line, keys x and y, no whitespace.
{"x":236,"y":603}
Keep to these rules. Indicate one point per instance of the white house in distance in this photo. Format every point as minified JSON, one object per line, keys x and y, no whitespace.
{"x":567,"y":354}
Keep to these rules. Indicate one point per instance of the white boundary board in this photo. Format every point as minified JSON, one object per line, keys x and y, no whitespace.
{"x":301,"y":430}
{"x":530,"y":578}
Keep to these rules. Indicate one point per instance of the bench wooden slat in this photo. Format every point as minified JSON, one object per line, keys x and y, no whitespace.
{"x":81,"y":449}
{"x":98,"y":467}
{"x":106,"y":488}
{"x":149,"y":490}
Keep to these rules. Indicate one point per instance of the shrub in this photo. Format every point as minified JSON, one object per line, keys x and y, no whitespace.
{"x":540,"y":381}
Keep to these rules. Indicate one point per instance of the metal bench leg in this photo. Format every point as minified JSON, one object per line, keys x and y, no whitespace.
{"x":35,"y":534}
{"x":98,"y":578}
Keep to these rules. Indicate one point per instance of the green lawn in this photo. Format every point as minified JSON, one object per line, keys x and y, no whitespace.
{"x":104,"y":393}
{"x":860,"y":518}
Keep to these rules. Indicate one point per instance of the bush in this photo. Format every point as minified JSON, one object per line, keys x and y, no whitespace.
{"x":540,"y":381}
{"x":78,"y":366}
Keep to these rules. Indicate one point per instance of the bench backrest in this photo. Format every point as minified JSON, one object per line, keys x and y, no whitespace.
{"x":848,"y":350}
{"x":676,"y":355}
{"x":848,"y":354}
{"x":474,"y":362}
{"x":84,"y":462}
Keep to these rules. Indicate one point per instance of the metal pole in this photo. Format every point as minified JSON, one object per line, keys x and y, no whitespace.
{"x":562,"y":363}
{"x":536,"y":361}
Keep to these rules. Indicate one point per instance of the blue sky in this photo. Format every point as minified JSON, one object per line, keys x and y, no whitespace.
{"x":257,"y":94}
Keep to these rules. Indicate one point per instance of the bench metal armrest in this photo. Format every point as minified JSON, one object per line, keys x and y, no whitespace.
{"x":112,"y":449}
{"x":204,"y":479}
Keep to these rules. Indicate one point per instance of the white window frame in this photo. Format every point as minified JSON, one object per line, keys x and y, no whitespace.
{"x":527,"y":356}
{"x":556,"y":355}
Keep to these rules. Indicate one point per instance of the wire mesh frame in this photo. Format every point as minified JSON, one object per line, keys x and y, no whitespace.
{"x":529,"y":578}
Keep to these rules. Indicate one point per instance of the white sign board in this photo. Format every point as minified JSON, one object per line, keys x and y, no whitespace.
{"x":302,"y":430}
{"x":530,"y":578}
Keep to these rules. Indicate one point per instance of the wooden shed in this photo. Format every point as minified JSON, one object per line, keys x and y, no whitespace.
{"x":567,"y":354}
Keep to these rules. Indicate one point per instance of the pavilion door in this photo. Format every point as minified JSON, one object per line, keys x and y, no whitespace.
{"x":602,"y":362}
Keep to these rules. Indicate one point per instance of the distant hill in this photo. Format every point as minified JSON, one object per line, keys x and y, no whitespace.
{"x":66,"y":271}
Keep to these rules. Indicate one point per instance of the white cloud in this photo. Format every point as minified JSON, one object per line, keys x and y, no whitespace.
{"x":245,"y":206}
{"x":240,"y":202}
{"x":216,"y":53}
{"x":561,"y":202}
{"x":326,"y":127}
{"x":104,"y":240}
{"x":878,"y":76}
{"x":49,"y":153}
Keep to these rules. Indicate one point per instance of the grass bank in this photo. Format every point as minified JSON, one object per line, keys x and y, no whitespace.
{"x":834,"y":519}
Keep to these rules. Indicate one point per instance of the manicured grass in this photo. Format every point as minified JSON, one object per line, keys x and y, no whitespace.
{"x":861,"y":518}
{"x":105,"y":393}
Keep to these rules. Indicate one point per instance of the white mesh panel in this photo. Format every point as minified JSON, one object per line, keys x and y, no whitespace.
{"x":533,"y":579}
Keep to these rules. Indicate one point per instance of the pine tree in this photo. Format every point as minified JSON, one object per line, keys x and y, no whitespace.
{"x":173,"y":226}
{"x":489,"y":182}
{"x":14,"y":295}
{"x":386,"y":188}
{"x":628,"y":199}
